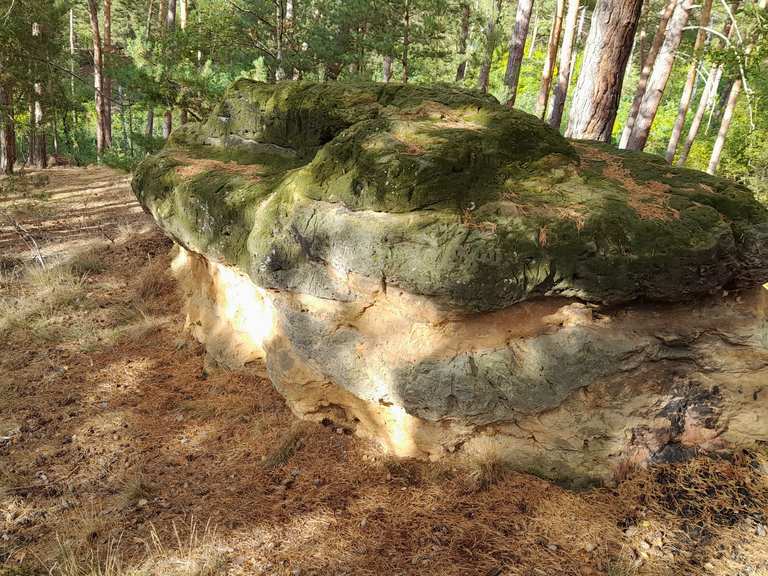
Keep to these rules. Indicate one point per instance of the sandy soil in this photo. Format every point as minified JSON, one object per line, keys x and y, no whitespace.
{"x":122,"y":453}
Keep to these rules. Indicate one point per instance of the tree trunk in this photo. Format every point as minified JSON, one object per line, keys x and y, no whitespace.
{"x":645,"y":72}
{"x":564,"y":66}
{"x":657,"y":81}
{"x":170,"y":15}
{"x":149,"y":131}
{"x":183,"y":13}
{"x":598,"y":89}
{"x":7,"y":132}
{"x":463,"y":36}
{"x":706,"y":96}
{"x":93,"y":13}
{"x":490,"y":47}
{"x":725,"y":125}
{"x":167,"y":123}
{"x":579,"y":36}
{"x":549,"y":61}
{"x":690,"y":82}
{"x":730,"y":106}
{"x":406,"y":40}
{"x":516,"y":48}
{"x":72,"y":51}
{"x":279,"y":30}
{"x":107,"y":80}
{"x":534,"y":35}
{"x":170,"y":24}
{"x":387,"y":70}
{"x":38,"y":153}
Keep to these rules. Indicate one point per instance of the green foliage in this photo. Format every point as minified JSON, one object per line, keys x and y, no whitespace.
{"x":154,"y":67}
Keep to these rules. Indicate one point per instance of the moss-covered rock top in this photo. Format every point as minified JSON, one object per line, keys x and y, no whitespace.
{"x":443,"y":192}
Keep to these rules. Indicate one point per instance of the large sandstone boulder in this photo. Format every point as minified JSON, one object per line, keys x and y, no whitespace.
{"x":433,"y":269}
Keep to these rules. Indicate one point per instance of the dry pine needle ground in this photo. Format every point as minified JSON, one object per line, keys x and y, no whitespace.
{"x":122,"y":454}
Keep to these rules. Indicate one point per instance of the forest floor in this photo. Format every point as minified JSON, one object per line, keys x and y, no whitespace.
{"x":120,"y":454}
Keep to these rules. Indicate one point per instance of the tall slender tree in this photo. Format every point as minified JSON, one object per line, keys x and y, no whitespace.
{"x":730,"y":107}
{"x":98,"y":77}
{"x":598,"y":89}
{"x":645,"y":71}
{"x":690,"y":81}
{"x":7,"y":132}
{"x":709,"y":92}
{"x":517,"y":47}
{"x":107,"y":79}
{"x":461,"y":70}
{"x":564,"y":65}
{"x":657,"y":81}
{"x":549,"y":60}
{"x":170,"y":25}
{"x":490,"y":46}
{"x":534,"y":34}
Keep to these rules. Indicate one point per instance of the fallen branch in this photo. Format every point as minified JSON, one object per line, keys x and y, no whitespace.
{"x":26,"y":236}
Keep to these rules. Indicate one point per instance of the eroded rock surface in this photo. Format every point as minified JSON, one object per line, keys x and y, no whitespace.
{"x":431,"y":268}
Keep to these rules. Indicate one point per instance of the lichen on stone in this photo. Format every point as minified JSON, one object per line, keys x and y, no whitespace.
{"x":442,"y":192}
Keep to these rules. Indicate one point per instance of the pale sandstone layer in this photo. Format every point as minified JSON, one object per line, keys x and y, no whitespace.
{"x":569,"y":391}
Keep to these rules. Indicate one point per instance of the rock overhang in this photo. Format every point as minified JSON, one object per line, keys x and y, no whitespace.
{"x":446,"y":193}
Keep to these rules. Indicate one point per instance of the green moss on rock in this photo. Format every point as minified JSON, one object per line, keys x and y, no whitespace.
{"x":443,"y":192}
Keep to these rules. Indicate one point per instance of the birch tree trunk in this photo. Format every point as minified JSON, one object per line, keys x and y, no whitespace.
{"x":690,"y":81}
{"x":564,"y":66}
{"x":645,"y":72}
{"x":730,"y":106}
{"x":596,"y":98}
{"x":657,"y":81}
{"x":517,"y":48}
{"x":183,"y":13}
{"x":707,"y":96}
{"x":549,"y":60}
{"x":461,"y":70}
{"x":725,"y":125}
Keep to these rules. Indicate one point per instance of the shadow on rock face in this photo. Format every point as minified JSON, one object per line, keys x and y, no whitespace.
{"x":439,"y":270}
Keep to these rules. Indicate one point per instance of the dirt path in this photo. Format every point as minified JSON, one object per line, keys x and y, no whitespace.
{"x":119,"y":451}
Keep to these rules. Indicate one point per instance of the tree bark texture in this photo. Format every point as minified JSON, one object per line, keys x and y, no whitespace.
{"x":598,"y":89}
{"x":645,"y":72}
{"x":657,"y":81}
